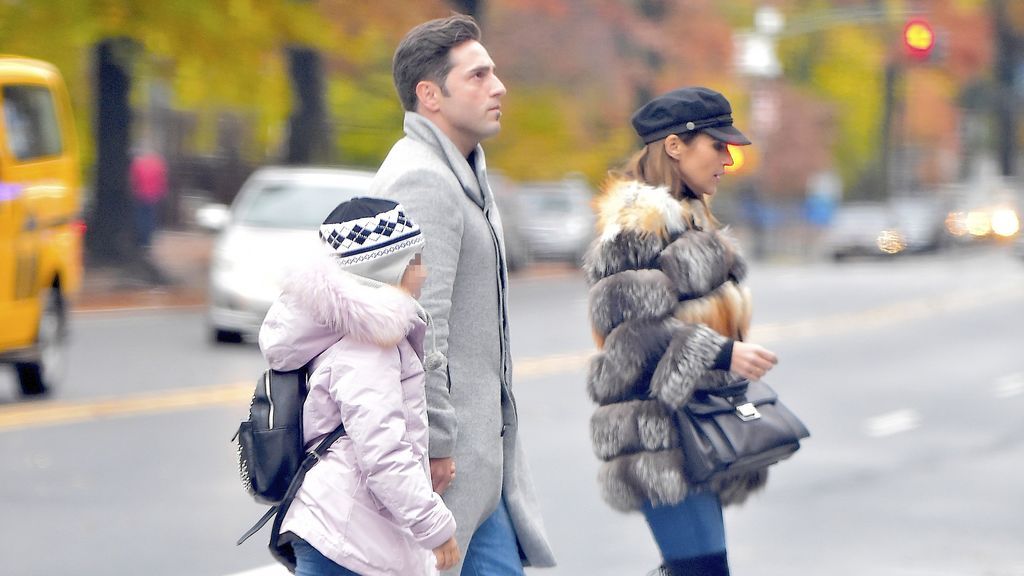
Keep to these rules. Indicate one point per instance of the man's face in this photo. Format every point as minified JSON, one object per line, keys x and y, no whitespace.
{"x":471,"y":99}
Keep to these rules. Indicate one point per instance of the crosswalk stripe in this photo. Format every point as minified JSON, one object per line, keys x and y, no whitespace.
{"x":892,"y":423}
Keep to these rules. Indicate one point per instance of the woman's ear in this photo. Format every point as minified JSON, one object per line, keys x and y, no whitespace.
{"x":429,"y":95}
{"x":673,"y":146}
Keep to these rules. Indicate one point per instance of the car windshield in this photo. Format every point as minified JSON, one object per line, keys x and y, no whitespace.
{"x":547,"y":203}
{"x":294,"y":205}
{"x":553,"y":201}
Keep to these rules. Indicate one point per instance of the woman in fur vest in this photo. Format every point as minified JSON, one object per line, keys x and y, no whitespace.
{"x":670,"y":316}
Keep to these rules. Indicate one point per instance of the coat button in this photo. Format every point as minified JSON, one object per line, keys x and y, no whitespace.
{"x":503,"y":428}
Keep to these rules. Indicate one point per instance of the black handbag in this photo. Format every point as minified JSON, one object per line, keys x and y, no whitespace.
{"x":735,"y":429}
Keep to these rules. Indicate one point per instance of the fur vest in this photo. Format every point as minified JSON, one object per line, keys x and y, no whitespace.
{"x":664,"y":299}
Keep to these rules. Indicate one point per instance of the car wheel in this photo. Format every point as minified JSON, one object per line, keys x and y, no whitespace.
{"x":42,"y":375}
{"x":226,"y":336}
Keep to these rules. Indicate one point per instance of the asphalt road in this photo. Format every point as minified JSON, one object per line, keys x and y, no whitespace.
{"x":909,"y":374}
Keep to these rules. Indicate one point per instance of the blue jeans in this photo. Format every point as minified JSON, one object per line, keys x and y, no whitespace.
{"x":310,"y":562}
{"x":692,"y":528}
{"x":494,"y":549}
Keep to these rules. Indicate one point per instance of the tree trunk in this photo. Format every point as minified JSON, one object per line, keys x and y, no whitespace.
{"x":1006,"y":58}
{"x":309,"y":135}
{"x":472,"y":8}
{"x":110,"y":230}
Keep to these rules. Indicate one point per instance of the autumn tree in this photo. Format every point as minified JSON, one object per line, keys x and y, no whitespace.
{"x":222,"y":51}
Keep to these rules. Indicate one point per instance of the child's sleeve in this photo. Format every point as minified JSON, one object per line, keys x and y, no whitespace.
{"x":367,"y":387}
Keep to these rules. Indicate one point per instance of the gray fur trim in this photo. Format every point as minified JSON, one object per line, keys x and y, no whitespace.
{"x":627,"y":250}
{"x":617,"y":488}
{"x":697,"y":262}
{"x":686,"y":362}
{"x":735,"y":490}
{"x":629,"y":427}
{"x":716,"y":379}
{"x":631,"y":353}
{"x":630,"y":295}
{"x":627,"y":482}
{"x":739,"y":268}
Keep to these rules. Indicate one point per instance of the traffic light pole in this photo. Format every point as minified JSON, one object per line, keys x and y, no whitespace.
{"x":892,"y":109}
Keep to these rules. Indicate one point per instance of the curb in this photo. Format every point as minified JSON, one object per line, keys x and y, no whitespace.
{"x":139,"y":299}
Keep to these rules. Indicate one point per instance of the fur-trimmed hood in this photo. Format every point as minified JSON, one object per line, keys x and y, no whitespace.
{"x":321,"y":303}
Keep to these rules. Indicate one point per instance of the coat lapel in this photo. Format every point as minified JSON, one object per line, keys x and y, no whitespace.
{"x":419,"y":128}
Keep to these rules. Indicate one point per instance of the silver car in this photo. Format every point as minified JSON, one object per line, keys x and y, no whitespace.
{"x":556,"y":218}
{"x":271,"y":224}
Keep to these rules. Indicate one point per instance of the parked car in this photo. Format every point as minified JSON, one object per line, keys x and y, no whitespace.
{"x":901,"y":225}
{"x":272,"y":222}
{"x":40,"y":221}
{"x":855,"y":230}
{"x":921,"y":221}
{"x":556,"y":218}
{"x":517,"y":253}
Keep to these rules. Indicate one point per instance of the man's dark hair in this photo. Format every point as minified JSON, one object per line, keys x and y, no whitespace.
{"x":423,"y":54}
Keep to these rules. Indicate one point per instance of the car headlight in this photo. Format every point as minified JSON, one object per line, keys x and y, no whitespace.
{"x":1005,"y":222}
{"x":979,"y":223}
{"x":890,"y":242}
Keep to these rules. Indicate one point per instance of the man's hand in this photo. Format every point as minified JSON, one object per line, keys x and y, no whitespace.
{"x":752,"y":361}
{"x":447,"y":554}
{"x":442,"y":473}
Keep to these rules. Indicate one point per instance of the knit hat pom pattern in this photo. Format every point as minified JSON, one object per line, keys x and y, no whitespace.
{"x":372,"y":237}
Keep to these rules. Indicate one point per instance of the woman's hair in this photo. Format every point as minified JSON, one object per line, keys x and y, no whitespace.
{"x":652,"y":165}
{"x":423,"y":54}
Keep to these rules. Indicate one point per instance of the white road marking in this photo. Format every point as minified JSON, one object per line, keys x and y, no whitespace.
{"x":892,"y":423}
{"x":268,"y":570}
{"x":1009,"y":386}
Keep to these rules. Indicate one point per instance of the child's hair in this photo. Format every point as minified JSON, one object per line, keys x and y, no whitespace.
{"x":373,"y":238}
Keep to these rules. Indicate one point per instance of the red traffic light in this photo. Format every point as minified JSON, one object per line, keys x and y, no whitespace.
{"x":918,"y":38}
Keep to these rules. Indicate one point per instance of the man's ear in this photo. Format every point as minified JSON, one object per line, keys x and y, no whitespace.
{"x":673,"y":146}
{"x":429,"y":95}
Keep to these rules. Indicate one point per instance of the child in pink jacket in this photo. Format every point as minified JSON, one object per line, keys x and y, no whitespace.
{"x":368,"y":507}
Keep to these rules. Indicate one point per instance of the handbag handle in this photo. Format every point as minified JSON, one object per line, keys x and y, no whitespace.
{"x":737,"y":388}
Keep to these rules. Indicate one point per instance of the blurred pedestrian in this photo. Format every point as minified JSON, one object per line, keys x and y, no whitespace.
{"x":670,"y":316}
{"x":447,"y":84}
{"x":148,"y":175}
{"x":351,"y":315}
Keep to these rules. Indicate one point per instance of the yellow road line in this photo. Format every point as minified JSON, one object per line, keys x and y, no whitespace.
{"x":50,"y":413}
{"x":44,"y":413}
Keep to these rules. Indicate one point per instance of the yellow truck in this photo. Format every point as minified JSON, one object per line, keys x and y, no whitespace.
{"x":40,"y":221}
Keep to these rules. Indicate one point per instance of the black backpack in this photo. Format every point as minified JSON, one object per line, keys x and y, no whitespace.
{"x":271,"y":458}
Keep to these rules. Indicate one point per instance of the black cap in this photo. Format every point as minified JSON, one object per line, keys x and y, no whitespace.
{"x":685,"y":110}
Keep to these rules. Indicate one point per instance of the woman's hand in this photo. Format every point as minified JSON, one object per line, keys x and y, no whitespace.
{"x":752,"y":361}
{"x":447,"y":554}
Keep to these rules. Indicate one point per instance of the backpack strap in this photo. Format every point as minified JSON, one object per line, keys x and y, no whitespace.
{"x":308,"y":462}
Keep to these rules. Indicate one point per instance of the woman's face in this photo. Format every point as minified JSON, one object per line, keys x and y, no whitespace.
{"x":702,"y":162}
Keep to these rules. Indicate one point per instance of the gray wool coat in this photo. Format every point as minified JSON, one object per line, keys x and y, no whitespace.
{"x":470,"y":405}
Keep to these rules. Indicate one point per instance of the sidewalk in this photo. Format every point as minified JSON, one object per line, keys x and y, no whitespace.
{"x":183,"y":258}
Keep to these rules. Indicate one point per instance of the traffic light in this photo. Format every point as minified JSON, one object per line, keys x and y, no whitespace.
{"x":918,"y":39}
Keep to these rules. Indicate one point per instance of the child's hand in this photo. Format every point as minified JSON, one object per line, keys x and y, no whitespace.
{"x":447,"y":554}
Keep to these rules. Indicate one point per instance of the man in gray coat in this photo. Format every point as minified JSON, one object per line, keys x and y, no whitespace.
{"x":452,"y":97}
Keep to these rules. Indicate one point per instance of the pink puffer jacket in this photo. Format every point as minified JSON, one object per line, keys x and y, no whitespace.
{"x":368,"y":505}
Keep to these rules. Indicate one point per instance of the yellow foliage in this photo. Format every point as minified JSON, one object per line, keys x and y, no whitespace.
{"x":547,"y":133}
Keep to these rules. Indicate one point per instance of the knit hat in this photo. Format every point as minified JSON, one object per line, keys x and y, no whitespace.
{"x":372,"y":238}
